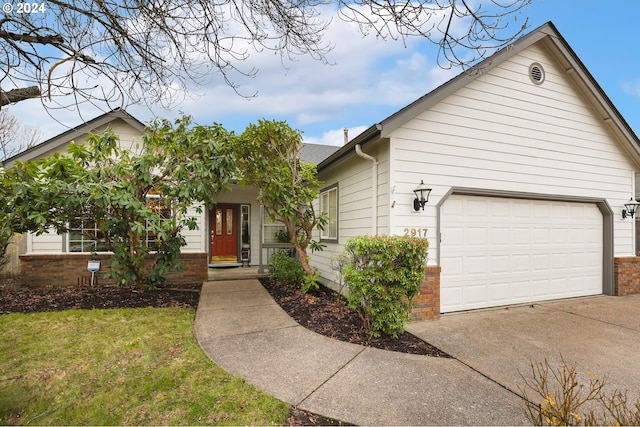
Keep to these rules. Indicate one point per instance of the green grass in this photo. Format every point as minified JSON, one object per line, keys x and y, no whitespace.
{"x":119,"y":367}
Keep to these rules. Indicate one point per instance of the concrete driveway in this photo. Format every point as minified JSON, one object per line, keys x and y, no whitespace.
{"x":599,"y":334}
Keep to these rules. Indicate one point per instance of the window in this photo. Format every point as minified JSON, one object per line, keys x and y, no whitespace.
{"x":245,"y":225}
{"x":274,"y":231}
{"x":84,"y":236}
{"x":161,"y":207}
{"x":329,"y":205}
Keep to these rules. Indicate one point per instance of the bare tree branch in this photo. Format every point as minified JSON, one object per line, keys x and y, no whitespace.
{"x":15,"y":136}
{"x":17,"y":95}
{"x":134,"y":51}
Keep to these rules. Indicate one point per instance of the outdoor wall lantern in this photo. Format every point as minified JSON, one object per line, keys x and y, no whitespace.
{"x":422,"y":196}
{"x":630,"y":208}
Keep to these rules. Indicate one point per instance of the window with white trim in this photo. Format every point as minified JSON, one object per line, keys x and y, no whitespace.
{"x":84,"y":236}
{"x":274,"y":231}
{"x":329,"y":205}
{"x":160,"y":206}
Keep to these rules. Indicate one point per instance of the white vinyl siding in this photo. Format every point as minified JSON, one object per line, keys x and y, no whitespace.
{"x":47,"y":243}
{"x":353,"y":177}
{"x":503,"y":132}
{"x":196,"y":239}
{"x":129,"y":137}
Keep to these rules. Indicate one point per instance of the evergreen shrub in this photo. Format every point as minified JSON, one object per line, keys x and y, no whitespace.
{"x":383,"y":275}
{"x":285,"y":268}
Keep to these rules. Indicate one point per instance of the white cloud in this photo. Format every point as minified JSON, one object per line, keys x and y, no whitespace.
{"x":632,"y":88}
{"x":363,"y":72}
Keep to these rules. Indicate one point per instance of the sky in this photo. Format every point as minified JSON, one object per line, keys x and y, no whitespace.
{"x":370,"y":79}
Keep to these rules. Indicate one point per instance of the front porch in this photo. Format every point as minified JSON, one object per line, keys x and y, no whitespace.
{"x":236,"y":273}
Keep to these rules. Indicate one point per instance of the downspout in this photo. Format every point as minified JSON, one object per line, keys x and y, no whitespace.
{"x":374,"y":187}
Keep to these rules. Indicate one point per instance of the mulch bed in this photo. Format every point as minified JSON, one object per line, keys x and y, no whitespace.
{"x":15,"y":299}
{"x":326,"y":312}
{"x":323,"y":311}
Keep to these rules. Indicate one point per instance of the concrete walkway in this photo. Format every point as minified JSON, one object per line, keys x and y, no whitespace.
{"x":244,"y":331}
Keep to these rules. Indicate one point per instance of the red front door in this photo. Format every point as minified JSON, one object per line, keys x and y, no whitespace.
{"x":224,"y":233}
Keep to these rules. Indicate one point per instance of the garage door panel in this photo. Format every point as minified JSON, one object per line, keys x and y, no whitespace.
{"x":500,"y":236}
{"x":521,"y":236}
{"x":520,"y":291}
{"x":477,"y":265}
{"x":521,"y":210}
{"x":541,"y":287}
{"x":520,"y":263}
{"x":541,"y":262}
{"x":499,"y":292}
{"x":498,"y":251}
{"x":541,"y":236}
{"x":452,"y":293}
{"x":476,"y":236}
{"x":476,"y":294}
{"x":499,"y":264}
{"x":541,"y":210}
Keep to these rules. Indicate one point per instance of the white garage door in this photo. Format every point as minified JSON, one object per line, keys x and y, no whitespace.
{"x":499,"y":251}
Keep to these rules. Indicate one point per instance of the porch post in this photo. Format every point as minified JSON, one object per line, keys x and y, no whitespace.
{"x":261,"y":268}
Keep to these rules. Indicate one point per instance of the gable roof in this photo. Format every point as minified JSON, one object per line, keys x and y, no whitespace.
{"x":553,"y":40}
{"x":73,"y":133}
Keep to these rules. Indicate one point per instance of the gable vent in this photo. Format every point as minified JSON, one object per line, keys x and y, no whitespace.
{"x":536,"y":73}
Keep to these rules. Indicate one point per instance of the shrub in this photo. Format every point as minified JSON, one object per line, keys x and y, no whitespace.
{"x":337,"y":263}
{"x":285,"y":268}
{"x":566,"y":400}
{"x":384,"y":275}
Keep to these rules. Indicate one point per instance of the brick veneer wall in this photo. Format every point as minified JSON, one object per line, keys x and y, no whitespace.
{"x":71,"y":269}
{"x":626,"y":275}
{"x":427,"y":305}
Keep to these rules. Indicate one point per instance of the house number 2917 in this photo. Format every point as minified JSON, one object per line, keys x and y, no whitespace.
{"x":415,"y":232}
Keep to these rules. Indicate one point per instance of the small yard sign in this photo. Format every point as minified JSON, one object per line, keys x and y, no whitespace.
{"x":93,"y":266}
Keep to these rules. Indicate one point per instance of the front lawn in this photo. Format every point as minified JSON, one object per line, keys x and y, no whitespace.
{"x":119,"y":367}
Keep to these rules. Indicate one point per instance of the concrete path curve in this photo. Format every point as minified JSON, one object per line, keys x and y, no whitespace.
{"x":242,"y":329}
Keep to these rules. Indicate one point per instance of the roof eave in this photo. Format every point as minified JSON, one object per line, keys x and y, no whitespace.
{"x":608,"y":112}
{"x":371,"y":134}
{"x":73,"y":133}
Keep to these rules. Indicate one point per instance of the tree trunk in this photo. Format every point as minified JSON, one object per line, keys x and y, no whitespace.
{"x":302,"y":254}
{"x":300,"y":249}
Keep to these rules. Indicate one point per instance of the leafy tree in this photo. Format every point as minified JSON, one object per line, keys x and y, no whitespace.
{"x":107,"y":186}
{"x":150,"y":51}
{"x":267,"y":155}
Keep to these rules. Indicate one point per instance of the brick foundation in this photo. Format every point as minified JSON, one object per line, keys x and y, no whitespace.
{"x":71,"y":269}
{"x":427,"y":305}
{"x":626,"y":275}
